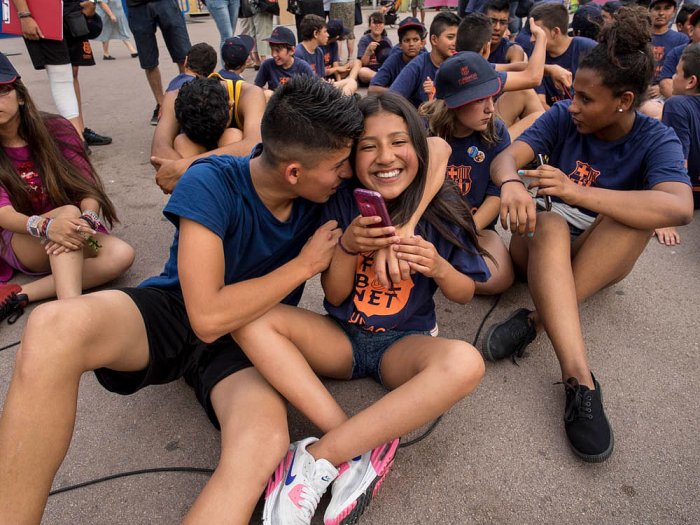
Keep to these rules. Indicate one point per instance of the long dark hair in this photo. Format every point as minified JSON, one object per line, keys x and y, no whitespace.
{"x":447,"y":207}
{"x":62,"y":181}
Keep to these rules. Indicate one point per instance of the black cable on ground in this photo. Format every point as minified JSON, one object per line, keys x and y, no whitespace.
{"x":9,"y":346}
{"x":197,"y":470}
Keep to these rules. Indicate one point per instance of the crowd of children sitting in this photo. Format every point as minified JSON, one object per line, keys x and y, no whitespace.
{"x":583,"y":145}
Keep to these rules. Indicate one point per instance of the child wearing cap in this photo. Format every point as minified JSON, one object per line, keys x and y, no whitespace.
{"x":415,"y":82}
{"x":331,"y":54}
{"x":282,"y":65}
{"x":235,"y":54}
{"x":587,"y":21}
{"x":674,"y":56}
{"x":411,"y":44}
{"x":463,"y":114}
{"x":369,"y":49}
{"x":682,"y":113}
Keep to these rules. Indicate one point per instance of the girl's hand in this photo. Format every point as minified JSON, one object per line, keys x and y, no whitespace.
{"x":113,"y":19}
{"x":387,"y":267}
{"x":53,"y":248}
{"x":421,"y":257}
{"x":518,"y":213}
{"x":360,"y":237}
{"x":553,"y":182}
{"x":70,"y":233}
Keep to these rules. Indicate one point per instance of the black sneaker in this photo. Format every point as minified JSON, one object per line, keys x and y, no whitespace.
{"x":156,"y":116}
{"x":12,"y":302}
{"x":588,"y":430}
{"x":94,"y":139}
{"x":510,"y":337}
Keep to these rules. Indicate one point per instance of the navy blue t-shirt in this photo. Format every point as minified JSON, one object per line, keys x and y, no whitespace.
{"x":178,"y":81}
{"x":662,"y":44}
{"x":274,"y":75}
{"x":682,"y":113}
{"x":648,"y":155}
{"x":217,"y":192}
{"x":569,"y":60}
{"x":315,"y":59}
{"x":470,"y":163}
{"x":229,"y":75}
{"x":498,"y":54}
{"x":671,"y":62}
{"x":409,"y":83}
{"x":330,"y":54}
{"x":523,"y":40}
{"x":408,"y":305}
{"x":374,"y":63}
{"x":391,"y":67}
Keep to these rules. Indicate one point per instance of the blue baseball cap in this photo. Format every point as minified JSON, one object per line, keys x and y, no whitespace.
{"x":8,"y":73}
{"x":464,"y":78}
{"x":282,"y":35}
{"x":336,"y":29}
{"x":410,"y":22}
{"x":236,"y":49}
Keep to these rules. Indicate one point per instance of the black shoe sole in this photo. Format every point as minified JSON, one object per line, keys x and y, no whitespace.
{"x":597,"y":458}
{"x":98,"y":143}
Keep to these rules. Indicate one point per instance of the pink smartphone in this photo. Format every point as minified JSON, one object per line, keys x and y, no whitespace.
{"x":371,"y":204}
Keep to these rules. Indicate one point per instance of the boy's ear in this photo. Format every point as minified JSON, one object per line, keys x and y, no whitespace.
{"x":433,"y":40}
{"x":292,"y":172}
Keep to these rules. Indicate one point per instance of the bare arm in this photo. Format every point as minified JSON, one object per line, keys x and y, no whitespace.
{"x":487,"y":212}
{"x":666,"y":87}
{"x":516,"y":54}
{"x":532,"y":75}
{"x":216,"y":309}
{"x":30,"y":29}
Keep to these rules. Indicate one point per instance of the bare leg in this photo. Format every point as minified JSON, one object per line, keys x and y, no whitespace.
{"x":40,"y":408}
{"x":521,"y":125}
{"x":105,"y":48}
{"x":501,"y":270}
{"x":254,"y":439}
{"x":155,"y":83}
{"x":130,"y":47}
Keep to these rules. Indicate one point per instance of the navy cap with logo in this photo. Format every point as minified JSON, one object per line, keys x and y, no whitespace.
{"x":464,"y":78}
{"x":336,"y":29}
{"x":7,"y":71}
{"x":411,"y":22}
{"x":654,"y":2}
{"x":282,"y":35}
{"x":587,"y":16}
{"x":236,"y":49}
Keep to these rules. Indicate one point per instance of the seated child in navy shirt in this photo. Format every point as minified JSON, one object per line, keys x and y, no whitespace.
{"x":562,"y":50}
{"x":235,"y":53}
{"x":674,"y":56}
{"x":313,"y":32}
{"x":682,"y":113}
{"x":331,"y":54}
{"x":415,"y":82}
{"x":503,"y":51}
{"x":199,"y":62}
{"x":463,"y":114}
{"x":411,"y":44}
{"x":370,"y":47}
{"x":282,"y":65}
{"x":614,"y":175}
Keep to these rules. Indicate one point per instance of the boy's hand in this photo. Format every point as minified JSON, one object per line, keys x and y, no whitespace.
{"x":561,"y":77}
{"x":318,"y":251}
{"x":30,"y":29}
{"x":169,"y":172}
{"x":360,"y":237}
{"x":421,"y":257}
{"x":429,"y":88}
{"x":536,"y":30}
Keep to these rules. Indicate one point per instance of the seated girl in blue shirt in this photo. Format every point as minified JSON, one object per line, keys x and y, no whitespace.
{"x":372,"y":331}
{"x":614,"y":176}
{"x":463,"y":114}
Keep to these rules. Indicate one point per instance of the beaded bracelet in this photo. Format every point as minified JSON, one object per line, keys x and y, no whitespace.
{"x":49,"y":222}
{"x":44,"y":227}
{"x":33,"y":225}
{"x":340,"y":245}
{"x":92,"y":219}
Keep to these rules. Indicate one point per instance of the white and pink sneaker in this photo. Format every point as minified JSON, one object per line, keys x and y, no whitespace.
{"x":358,"y":481}
{"x":296,"y":487}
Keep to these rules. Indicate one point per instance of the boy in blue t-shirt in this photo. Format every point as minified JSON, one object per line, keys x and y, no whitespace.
{"x":282,"y":66}
{"x":562,"y":50}
{"x":682,"y":113}
{"x":415,"y":82}
{"x":371,"y":50}
{"x":411,"y":44}
{"x":199,"y":62}
{"x":248,"y":235}
{"x":692,"y":23}
{"x":235,"y":53}
{"x":503,"y":51}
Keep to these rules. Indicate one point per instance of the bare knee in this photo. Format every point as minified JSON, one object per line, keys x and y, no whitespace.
{"x":461,"y":366}
{"x":117,"y":259}
{"x":550,"y":226}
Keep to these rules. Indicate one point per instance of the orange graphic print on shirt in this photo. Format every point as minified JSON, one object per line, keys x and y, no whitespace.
{"x":371,"y":298}
{"x":462,"y":177}
{"x":584,"y":174}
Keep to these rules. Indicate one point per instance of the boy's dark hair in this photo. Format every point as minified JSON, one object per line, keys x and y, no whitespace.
{"x":685,"y":12}
{"x":448,"y":208}
{"x":307,"y":116}
{"x":282,"y":46}
{"x":691,"y":62}
{"x":623,"y":58}
{"x":201,"y":58}
{"x":309,"y":25}
{"x":497,"y":5}
{"x":551,"y":16}
{"x":202,"y":110}
{"x":376,"y":17}
{"x":473,"y":32}
{"x":442,"y":21}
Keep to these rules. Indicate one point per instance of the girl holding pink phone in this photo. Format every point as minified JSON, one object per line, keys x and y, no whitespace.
{"x":371,"y":331}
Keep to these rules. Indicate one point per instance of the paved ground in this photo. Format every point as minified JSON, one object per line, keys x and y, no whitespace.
{"x":498,"y":457}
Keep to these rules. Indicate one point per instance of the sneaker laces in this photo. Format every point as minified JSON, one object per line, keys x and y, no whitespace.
{"x":578,"y":405}
{"x":310,"y":497}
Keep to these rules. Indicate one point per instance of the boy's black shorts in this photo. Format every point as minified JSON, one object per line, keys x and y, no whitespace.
{"x":175,"y":351}
{"x":74,"y":51}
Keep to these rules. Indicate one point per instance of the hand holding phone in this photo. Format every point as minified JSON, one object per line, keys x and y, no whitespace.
{"x":371,"y":204}
{"x":541,"y":161}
